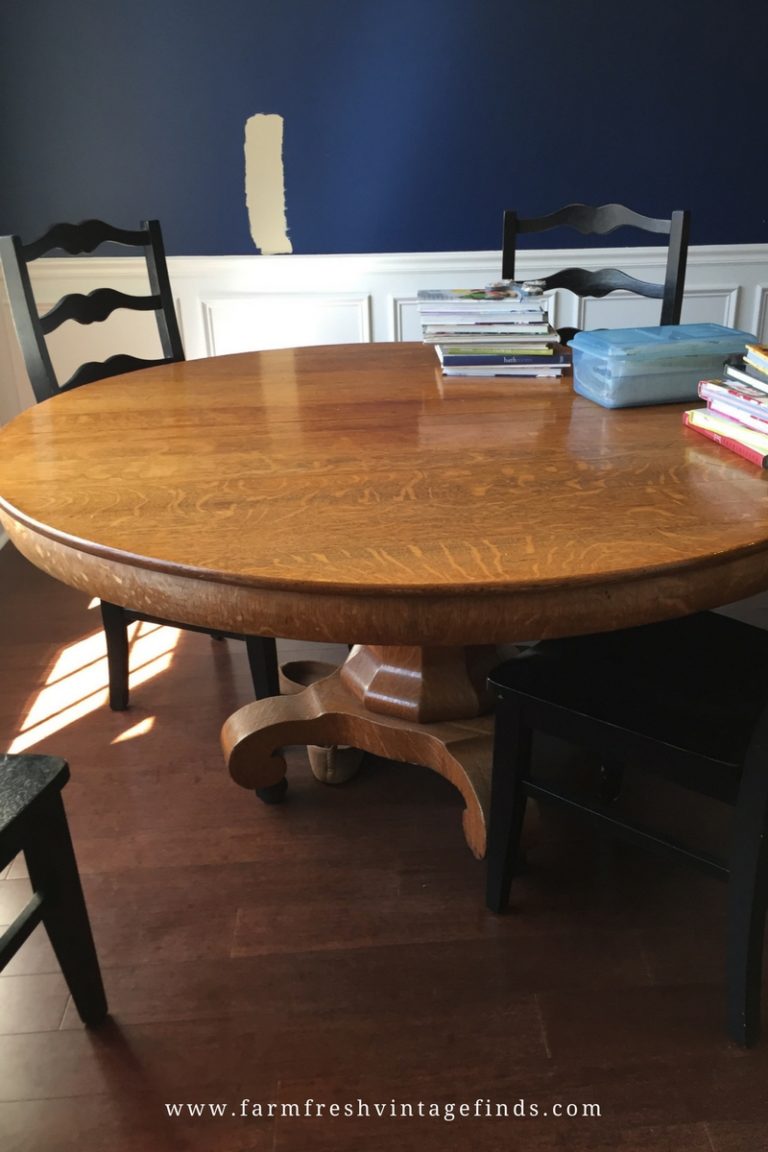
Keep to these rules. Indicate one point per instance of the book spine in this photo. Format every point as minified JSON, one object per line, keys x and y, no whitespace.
{"x":757,"y":354}
{"x":740,"y":413}
{"x":528,"y":372}
{"x":751,"y":454}
{"x":543,"y":361}
{"x":519,"y":332}
{"x":752,"y":368}
{"x":749,"y":401}
{"x":755,"y":373}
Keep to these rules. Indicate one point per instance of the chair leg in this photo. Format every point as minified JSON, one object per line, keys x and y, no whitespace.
{"x":511,"y":762}
{"x":262,"y":659}
{"x":53,"y":873}
{"x":747,"y":902}
{"x":116,"y":633}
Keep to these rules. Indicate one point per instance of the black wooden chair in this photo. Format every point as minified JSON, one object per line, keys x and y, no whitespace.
{"x":96,"y":307}
{"x":33,"y":821}
{"x":599,"y":221}
{"x":686,"y":700}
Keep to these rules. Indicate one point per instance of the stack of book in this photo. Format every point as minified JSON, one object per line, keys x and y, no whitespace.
{"x":751,"y":368}
{"x":736,"y":414}
{"x":502,"y":330}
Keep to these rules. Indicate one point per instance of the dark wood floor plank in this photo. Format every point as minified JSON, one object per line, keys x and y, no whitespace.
{"x":14,"y":895}
{"x":410,"y":981}
{"x":188,"y":1060}
{"x":34,"y":1003}
{"x":607,"y":1023}
{"x":484,"y":1095}
{"x":131,"y":1121}
{"x":35,"y":958}
{"x":738,"y":1137}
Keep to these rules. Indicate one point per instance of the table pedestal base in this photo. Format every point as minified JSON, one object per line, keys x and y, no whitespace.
{"x":332,"y":712}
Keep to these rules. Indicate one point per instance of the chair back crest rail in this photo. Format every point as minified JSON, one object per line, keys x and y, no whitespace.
{"x":602,"y":220}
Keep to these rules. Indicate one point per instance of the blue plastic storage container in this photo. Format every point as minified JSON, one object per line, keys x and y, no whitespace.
{"x":623,"y":367}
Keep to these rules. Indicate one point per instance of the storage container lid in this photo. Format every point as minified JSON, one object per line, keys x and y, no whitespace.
{"x":661,"y":340}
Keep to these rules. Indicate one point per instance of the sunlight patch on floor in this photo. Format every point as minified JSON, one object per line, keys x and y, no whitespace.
{"x":140,"y":729}
{"x":78,"y":681}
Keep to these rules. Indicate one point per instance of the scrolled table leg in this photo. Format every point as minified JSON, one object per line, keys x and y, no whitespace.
{"x":330,"y":764}
{"x":326,"y":713}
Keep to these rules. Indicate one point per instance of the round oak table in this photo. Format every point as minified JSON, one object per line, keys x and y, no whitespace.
{"x":350,"y":494}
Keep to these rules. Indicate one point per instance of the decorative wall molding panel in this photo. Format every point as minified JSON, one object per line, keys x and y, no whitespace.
{"x":238,"y":303}
{"x":279,"y":320}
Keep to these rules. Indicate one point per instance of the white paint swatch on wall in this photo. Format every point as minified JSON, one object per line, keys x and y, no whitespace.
{"x":265,"y":183}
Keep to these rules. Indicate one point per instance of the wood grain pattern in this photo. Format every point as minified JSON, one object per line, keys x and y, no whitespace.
{"x":333,"y":493}
{"x":340,"y":493}
{"x":421,"y":684}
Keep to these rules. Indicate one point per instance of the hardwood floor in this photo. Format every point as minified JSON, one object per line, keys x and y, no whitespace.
{"x":335,"y":949}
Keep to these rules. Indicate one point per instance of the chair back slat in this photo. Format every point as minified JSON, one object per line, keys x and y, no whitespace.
{"x":599,"y":283}
{"x":94,"y":307}
{"x":102,"y":369}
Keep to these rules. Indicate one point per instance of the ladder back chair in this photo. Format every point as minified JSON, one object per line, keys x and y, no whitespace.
{"x":33,"y":821}
{"x":598,"y":283}
{"x":96,"y":307}
{"x":685,"y":700}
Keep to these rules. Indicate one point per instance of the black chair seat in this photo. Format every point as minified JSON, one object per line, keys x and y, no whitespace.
{"x":686,"y":700}
{"x":22,"y":780}
{"x":661,"y":684}
{"x":33,"y":821}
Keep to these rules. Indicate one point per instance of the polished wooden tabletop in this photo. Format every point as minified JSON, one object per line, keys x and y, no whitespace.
{"x":348,"y":492}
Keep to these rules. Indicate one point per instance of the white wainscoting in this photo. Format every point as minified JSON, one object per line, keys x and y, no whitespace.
{"x":241,"y":303}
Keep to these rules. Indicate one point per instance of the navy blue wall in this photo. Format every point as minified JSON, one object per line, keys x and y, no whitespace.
{"x":409,"y":124}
